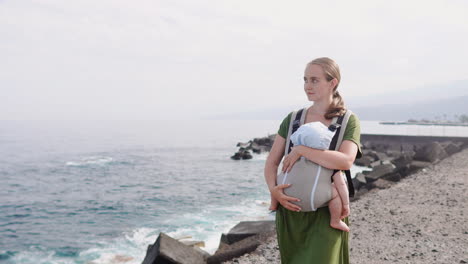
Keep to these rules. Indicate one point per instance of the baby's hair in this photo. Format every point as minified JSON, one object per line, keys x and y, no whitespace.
{"x":332,"y":71}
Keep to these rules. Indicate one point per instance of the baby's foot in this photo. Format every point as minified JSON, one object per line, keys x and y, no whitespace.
{"x":339,"y":225}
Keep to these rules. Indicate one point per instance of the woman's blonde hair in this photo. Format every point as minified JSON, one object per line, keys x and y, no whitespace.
{"x":332,"y":71}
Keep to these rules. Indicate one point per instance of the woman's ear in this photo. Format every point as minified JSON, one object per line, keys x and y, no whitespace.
{"x":333,"y":83}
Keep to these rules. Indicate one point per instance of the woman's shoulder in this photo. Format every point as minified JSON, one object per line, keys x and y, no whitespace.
{"x":284,"y":127}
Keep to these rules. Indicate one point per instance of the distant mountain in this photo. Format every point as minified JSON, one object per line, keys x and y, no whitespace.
{"x":433,"y":110}
{"x":429,"y":102}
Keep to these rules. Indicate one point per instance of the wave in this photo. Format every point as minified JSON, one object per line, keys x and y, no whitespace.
{"x":93,"y":160}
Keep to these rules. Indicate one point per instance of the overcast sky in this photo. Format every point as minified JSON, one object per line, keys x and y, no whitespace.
{"x":113,"y":59}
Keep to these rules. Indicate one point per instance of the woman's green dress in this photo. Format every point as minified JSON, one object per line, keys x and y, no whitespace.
{"x":306,"y":237}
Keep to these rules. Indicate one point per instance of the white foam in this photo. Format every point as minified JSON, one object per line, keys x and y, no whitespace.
{"x":93,"y":160}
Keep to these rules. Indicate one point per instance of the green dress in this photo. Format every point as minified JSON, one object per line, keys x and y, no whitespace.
{"x":306,"y":237}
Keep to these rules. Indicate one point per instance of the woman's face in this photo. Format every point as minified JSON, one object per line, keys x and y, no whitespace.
{"x":316,"y":86}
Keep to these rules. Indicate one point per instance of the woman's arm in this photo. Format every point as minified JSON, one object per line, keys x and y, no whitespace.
{"x":342,"y":159}
{"x":271,"y":170}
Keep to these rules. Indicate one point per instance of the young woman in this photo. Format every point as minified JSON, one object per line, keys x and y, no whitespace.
{"x":307,"y":237}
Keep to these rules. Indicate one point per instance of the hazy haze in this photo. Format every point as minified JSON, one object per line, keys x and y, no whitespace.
{"x":148,"y":59}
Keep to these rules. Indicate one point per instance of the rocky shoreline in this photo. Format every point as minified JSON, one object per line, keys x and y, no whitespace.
{"x":409,"y":207}
{"x":421,"y":219}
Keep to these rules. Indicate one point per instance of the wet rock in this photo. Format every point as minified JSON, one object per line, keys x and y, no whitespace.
{"x":170,"y":251}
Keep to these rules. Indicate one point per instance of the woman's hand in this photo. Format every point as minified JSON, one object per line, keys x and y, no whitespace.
{"x":291,"y":158}
{"x":278,"y":194}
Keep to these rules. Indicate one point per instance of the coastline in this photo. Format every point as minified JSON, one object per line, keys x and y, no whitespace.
{"x":405,"y":223}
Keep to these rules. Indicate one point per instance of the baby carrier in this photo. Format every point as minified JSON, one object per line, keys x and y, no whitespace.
{"x":310,"y":182}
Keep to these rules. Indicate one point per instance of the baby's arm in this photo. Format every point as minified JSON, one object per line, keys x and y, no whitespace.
{"x":342,"y":189}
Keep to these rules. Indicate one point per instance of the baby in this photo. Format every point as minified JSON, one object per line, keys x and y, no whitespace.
{"x":316,"y":135}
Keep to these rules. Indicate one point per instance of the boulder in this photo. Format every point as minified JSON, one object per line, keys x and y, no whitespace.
{"x":375,"y":163}
{"x":246,"y":155}
{"x":243,"y":238}
{"x":364,"y":161}
{"x":265,"y":141}
{"x":359,"y":180}
{"x":170,"y":251}
{"x":394,"y":177}
{"x":382,"y":184}
{"x":227,"y":252}
{"x":382,"y":156}
{"x":237,"y":156}
{"x":432,"y":152}
{"x":450,"y":147}
{"x":245,"y":229}
{"x":403,"y":161}
{"x":416,"y":165}
{"x":379,"y":171}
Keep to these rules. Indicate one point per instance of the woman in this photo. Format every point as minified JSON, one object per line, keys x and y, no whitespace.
{"x":306,"y":237}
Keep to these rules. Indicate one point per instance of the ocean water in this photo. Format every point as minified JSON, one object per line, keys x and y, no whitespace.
{"x":101,"y":192}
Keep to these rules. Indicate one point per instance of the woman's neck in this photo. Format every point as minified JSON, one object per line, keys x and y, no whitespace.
{"x":320,"y":107}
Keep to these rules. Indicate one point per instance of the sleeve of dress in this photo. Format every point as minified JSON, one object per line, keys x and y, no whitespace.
{"x":353,"y":133}
{"x":284,"y":127}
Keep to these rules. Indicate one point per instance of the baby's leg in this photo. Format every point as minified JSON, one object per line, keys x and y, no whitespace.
{"x":335,"y":208}
{"x":273,"y":203}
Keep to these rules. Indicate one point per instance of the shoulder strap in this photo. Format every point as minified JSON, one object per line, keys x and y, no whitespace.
{"x":297,"y":119}
{"x":342,"y":122}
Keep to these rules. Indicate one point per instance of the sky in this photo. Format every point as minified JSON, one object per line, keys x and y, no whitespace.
{"x":177,"y":59}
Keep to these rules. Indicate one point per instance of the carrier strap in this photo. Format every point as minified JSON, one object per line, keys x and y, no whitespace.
{"x":297,"y":119}
{"x":338,"y":123}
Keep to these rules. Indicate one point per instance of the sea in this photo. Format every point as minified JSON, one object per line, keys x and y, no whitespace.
{"x":99,"y":192}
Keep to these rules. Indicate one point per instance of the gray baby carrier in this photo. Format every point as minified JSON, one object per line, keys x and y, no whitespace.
{"x":310,"y":182}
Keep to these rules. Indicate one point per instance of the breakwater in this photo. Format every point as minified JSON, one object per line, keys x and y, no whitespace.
{"x":391,"y":159}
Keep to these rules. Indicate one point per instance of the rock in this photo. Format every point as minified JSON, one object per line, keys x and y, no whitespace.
{"x":373,"y":154}
{"x":235,"y":250}
{"x":192,"y":243}
{"x":450,"y":148}
{"x":359,"y":180}
{"x":432,"y":152}
{"x":265,"y":141}
{"x":393,"y":153}
{"x":381,"y":156}
{"x":364,"y":161}
{"x":403,"y":161}
{"x":382,"y":184}
{"x":237,"y":156}
{"x":243,"y":145}
{"x":168,"y":250}
{"x":394,"y":177}
{"x":245,"y":229}
{"x":246,"y":155}
{"x":379,"y":171}
{"x":416,"y":165}
{"x":375,"y":163}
